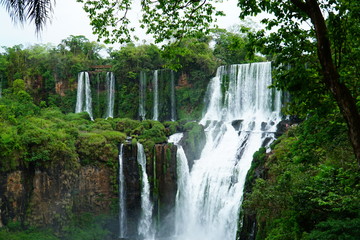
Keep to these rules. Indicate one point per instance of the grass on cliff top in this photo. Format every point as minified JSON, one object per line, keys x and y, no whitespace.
{"x":82,"y":227}
{"x":14,"y":231}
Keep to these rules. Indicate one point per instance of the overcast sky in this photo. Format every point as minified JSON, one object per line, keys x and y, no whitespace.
{"x":69,"y":19}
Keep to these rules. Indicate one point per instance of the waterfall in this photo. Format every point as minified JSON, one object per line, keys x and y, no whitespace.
{"x":211,"y":200}
{"x":122,"y":196}
{"x":172,"y":98}
{"x":83,"y":89}
{"x":182,"y":168}
{"x":156,"y":96}
{"x":80,"y":93}
{"x":88,"y":100}
{"x":142,"y":95}
{"x":144,"y":227}
{"x":110,"y":89}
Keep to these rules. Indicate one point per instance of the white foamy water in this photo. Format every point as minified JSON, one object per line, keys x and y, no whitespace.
{"x":210,"y":196}
{"x":110,"y":90}
{"x":83,"y":97}
{"x":145,"y":229}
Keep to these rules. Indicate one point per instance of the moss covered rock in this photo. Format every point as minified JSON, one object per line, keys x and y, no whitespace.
{"x":193,"y":141}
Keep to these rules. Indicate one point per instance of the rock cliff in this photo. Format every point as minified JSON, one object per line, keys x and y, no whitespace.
{"x":40,"y":196}
{"x":50,"y":196}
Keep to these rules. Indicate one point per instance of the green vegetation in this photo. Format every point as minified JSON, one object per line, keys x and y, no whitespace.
{"x":50,"y":72}
{"x":82,"y":227}
{"x":88,"y":227}
{"x":195,"y":135}
{"x":309,"y":187}
{"x":44,"y":136}
{"x":231,"y":47}
{"x":30,"y":234}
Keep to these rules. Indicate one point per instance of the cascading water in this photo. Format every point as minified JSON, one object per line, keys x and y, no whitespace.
{"x":182,"y":197}
{"x":145,"y":224}
{"x":142,"y":93}
{"x":84,"y":90}
{"x":156,"y":96}
{"x":122,"y":196}
{"x":172,"y":97}
{"x":212,"y":192}
{"x":80,"y":93}
{"x":110,"y":89}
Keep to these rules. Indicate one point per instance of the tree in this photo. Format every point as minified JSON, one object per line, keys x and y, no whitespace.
{"x":165,"y":20}
{"x":191,"y":54}
{"x":288,"y":17}
{"x":231,"y":46}
{"x":81,"y":45}
{"x":37,"y":11}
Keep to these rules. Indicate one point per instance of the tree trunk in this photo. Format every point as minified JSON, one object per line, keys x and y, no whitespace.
{"x":341,"y":93}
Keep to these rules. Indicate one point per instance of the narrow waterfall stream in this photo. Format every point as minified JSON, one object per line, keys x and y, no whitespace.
{"x":80,"y":93}
{"x":145,"y":229}
{"x":110,"y":89}
{"x":211,"y":194}
{"x":182,"y":169}
{"x":156,"y":96}
{"x":122,"y":196}
{"x":83,"y":98}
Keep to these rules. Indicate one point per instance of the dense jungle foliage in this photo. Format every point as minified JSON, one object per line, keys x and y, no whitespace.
{"x":308,"y":186}
{"x":41,"y":136}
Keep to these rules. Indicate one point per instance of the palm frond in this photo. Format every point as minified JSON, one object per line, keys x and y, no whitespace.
{"x":37,"y":11}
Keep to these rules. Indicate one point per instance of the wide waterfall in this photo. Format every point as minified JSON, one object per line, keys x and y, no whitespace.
{"x":84,"y":90}
{"x":156,"y":96}
{"x":142,"y":96}
{"x":145,"y":224}
{"x":122,"y":196}
{"x":110,"y":89}
{"x":241,"y":116}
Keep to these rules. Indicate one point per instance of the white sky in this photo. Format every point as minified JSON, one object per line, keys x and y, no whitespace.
{"x":70,"y":19}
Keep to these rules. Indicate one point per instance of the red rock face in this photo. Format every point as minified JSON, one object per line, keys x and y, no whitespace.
{"x":14,"y":196}
{"x":183,"y":81}
{"x":60,"y":88}
{"x":95,"y":190}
